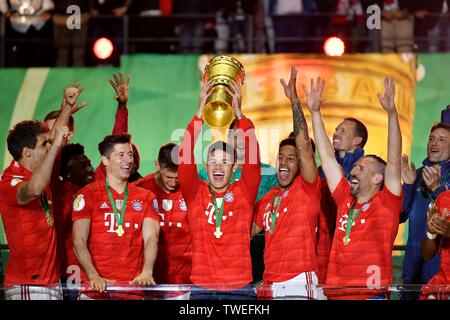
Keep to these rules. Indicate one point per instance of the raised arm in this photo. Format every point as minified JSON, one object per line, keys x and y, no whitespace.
{"x":121,"y":87}
{"x":69,"y":106}
{"x":392,"y":175}
{"x":187,"y":169}
{"x":305,"y":154}
{"x":251,"y":168}
{"x":331,"y":168}
{"x":33,"y":188}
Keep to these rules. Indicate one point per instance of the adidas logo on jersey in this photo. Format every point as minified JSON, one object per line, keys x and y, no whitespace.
{"x":104,"y":206}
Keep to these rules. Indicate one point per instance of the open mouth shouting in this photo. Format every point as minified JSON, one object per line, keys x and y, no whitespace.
{"x":283,"y":173}
{"x":218,"y":176}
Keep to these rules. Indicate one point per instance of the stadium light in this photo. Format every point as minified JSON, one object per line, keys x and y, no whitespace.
{"x":103,"y":48}
{"x":334,"y":47}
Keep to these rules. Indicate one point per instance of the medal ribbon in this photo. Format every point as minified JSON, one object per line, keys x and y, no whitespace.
{"x":119,"y":219}
{"x":218,"y":212}
{"x":273,"y":215}
{"x":352,"y":215}
{"x":45,"y":206}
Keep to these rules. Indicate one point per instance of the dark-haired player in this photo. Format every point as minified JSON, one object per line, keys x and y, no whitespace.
{"x":173,"y":264}
{"x":220,"y":213}
{"x":368,"y":206}
{"x":288,"y":213}
{"x":115,"y":225}
{"x":32,"y":272}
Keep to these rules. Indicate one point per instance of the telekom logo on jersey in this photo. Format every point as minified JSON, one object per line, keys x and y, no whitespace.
{"x":210,"y":213}
{"x":110,"y":221}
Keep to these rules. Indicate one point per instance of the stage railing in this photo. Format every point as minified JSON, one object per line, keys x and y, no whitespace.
{"x":118,"y":291}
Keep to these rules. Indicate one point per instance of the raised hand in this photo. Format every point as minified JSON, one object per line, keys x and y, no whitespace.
{"x":290,"y":89}
{"x":207,"y":88}
{"x":61,"y":136}
{"x":236,"y":93}
{"x":121,"y":87}
{"x":432,"y":177}
{"x":314,"y":96}
{"x":408,"y":172}
{"x":387,"y":99}
{"x":70,"y":98}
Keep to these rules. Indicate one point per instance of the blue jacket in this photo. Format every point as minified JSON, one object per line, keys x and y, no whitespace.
{"x":309,"y":6}
{"x":347,"y":162}
{"x":416,"y":200}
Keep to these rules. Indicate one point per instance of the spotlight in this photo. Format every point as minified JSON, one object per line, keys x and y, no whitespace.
{"x":334,"y":47}
{"x":103,"y":48}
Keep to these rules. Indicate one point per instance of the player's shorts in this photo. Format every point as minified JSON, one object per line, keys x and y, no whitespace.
{"x":302,"y":287}
{"x":33,"y":292}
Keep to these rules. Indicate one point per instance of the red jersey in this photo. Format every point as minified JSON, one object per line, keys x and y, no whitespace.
{"x":31,"y":240}
{"x":173,"y":264}
{"x":442,"y":278}
{"x":366,"y":261}
{"x":290,"y":246}
{"x":63,"y":196}
{"x":115,"y":258}
{"x":220,"y":262}
{"x":325,"y":232}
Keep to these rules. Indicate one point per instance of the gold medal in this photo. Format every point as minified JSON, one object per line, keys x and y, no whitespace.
{"x":120,"y":231}
{"x":218,"y":233}
{"x":346,"y":240}
{"x":50,"y":221}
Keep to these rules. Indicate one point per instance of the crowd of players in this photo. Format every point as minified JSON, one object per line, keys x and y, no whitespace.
{"x":329,"y":231}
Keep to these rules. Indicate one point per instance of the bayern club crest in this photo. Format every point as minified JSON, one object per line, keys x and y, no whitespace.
{"x":183,"y":206}
{"x":365,"y":207}
{"x":285,"y":194}
{"x":137,"y":205}
{"x":229,"y":197}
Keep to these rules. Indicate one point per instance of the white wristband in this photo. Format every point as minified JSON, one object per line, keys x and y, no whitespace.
{"x":431,"y":236}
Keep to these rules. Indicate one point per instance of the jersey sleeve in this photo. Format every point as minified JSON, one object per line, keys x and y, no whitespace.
{"x":342,"y":191}
{"x":392,"y":201}
{"x":251,"y":168}
{"x":121,"y":121}
{"x":312,"y":189}
{"x":83,"y":204}
{"x":187,"y":169}
{"x":258,"y":212}
{"x":152,"y":207}
{"x":8,"y":190}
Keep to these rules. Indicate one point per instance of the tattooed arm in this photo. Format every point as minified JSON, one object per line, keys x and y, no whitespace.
{"x":305,"y":153}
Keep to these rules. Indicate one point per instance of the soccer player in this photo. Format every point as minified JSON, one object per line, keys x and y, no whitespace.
{"x":75,"y":172}
{"x":420,"y":189}
{"x":115,"y":225}
{"x":27,"y":212}
{"x":438,"y":239}
{"x":220,"y":213}
{"x":173,"y":264}
{"x":368,"y":211}
{"x":349,"y":140}
{"x":289,"y":213}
